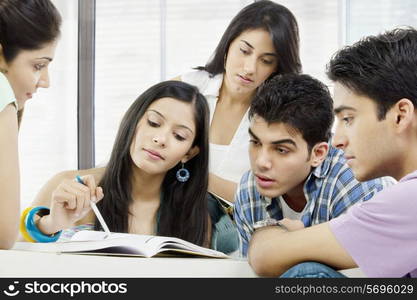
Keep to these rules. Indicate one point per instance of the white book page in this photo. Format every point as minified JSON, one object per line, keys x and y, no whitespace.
{"x":134,"y":243}
{"x":149,"y":244}
{"x":118,"y":243}
{"x":91,"y":235}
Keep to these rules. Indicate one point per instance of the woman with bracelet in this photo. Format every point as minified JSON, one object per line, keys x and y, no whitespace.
{"x":29,"y":31}
{"x":155,"y":182}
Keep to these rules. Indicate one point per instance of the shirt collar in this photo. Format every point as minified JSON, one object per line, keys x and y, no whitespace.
{"x":6,"y":91}
{"x":268,"y":201}
{"x":410,"y":176}
{"x":214,"y":85}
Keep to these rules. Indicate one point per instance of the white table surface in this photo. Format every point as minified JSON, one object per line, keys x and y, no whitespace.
{"x":16,"y":264}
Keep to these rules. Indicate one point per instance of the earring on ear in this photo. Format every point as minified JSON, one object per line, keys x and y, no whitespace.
{"x":183,"y":174}
{"x":4,"y":71}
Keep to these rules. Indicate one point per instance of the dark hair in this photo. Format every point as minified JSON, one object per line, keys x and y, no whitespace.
{"x":300,"y":101}
{"x":382,"y":68}
{"x":274,"y":18}
{"x":27,"y":25}
{"x":183,"y":211}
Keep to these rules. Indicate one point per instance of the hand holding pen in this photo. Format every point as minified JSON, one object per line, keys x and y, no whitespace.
{"x":96,"y":211}
{"x":71,"y":201}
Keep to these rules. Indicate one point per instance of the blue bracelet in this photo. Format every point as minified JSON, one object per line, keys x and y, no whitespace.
{"x":34,"y":231}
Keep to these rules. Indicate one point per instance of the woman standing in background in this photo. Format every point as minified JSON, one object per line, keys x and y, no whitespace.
{"x":261,"y":41}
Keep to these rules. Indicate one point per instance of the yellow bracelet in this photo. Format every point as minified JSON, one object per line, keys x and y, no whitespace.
{"x":22,"y":225}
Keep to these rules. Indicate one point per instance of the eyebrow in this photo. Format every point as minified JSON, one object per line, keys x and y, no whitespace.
{"x":278,"y":142}
{"x":341,"y":108}
{"x":163,"y":117}
{"x":45,"y":57}
{"x":250,"y":46}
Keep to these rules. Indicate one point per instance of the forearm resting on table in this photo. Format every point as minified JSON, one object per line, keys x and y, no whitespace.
{"x":272,"y":250}
{"x":222,"y":187}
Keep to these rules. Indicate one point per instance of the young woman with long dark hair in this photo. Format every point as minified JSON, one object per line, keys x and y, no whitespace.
{"x":156,"y":180}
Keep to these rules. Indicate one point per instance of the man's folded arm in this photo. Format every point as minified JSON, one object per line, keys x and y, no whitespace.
{"x":273,"y":250}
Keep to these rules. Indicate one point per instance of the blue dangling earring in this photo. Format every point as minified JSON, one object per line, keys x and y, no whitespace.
{"x":183,"y":174}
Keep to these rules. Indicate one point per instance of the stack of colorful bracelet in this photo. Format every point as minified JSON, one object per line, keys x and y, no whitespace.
{"x":30,"y":231}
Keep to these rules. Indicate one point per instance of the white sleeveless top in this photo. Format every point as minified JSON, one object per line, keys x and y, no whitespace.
{"x":6,"y":92}
{"x":231,"y":161}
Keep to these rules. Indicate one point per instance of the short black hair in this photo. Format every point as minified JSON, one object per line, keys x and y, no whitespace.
{"x":272,"y":17}
{"x":27,"y":25}
{"x":297,"y":100}
{"x":382,"y":68}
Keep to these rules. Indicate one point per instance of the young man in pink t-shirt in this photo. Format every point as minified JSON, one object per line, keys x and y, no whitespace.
{"x":375,"y":100}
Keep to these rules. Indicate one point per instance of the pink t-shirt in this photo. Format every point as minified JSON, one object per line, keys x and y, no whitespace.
{"x":381,"y":234}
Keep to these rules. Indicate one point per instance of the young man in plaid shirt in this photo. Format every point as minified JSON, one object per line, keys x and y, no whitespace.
{"x":297,"y":179}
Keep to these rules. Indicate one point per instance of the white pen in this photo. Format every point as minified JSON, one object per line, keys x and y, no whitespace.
{"x":96,"y":211}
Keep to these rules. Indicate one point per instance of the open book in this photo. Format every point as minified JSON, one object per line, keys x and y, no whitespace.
{"x":121,"y":244}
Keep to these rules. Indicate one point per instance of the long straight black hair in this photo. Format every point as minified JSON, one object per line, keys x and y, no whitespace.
{"x":183,"y":210}
{"x":272,"y":17}
{"x":27,"y":25}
